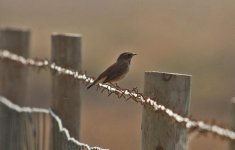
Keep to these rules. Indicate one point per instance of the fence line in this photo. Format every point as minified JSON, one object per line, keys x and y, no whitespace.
{"x":62,"y":129}
{"x":191,"y":124}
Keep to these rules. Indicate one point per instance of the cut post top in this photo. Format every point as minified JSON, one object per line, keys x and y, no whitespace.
{"x":233,"y":100}
{"x":14,"y":29}
{"x":167,"y":73}
{"x":66,"y":34}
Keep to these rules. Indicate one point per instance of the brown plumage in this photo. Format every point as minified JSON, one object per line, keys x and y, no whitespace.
{"x":116,"y":71}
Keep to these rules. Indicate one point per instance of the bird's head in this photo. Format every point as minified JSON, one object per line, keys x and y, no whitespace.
{"x":126,"y":56}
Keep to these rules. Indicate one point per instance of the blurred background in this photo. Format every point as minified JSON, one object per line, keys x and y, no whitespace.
{"x":183,"y":36}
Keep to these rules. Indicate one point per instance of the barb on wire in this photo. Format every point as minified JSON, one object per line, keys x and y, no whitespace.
{"x":191,"y":124}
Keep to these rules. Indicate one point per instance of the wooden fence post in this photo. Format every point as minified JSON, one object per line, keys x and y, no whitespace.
{"x":232,"y":144}
{"x":159,"y":132}
{"x":13,"y":83}
{"x":13,"y":77}
{"x":66,"y":52}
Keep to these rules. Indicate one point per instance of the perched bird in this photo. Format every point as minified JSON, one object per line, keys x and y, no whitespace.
{"x":116,"y":71}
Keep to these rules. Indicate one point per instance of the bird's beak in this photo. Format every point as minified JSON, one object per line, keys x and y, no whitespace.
{"x":134,"y":54}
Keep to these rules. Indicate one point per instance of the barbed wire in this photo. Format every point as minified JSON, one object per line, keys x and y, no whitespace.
{"x":62,"y":129}
{"x":192,"y":124}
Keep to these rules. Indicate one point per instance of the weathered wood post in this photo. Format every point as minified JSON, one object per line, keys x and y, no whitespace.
{"x":159,"y":132}
{"x":66,"y":52}
{"x":232,"y":144}
{"x":13,"y":77}
{"x":13,"y":85}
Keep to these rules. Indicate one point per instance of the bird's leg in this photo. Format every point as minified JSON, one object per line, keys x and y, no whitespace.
{"x":117,"y":85}
{"x":114,"y":84}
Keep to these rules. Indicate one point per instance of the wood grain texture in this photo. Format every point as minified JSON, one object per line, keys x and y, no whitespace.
{"x":159,"y":132}
{"x":13,"y":83}
{"x":13,"y":76}
{"x":66,"y":52}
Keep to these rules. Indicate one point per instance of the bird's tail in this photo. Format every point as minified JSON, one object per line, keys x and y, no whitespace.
{"x":92,"y":84}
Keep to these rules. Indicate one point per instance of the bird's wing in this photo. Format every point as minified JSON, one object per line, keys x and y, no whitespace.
{"x":104,"y":74}
{"x":116,"y":71}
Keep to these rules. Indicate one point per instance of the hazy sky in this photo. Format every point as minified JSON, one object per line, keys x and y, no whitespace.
{"x":185,"y":36}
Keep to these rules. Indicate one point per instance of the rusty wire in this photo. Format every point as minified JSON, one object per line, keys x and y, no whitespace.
{"x":192,"y":124}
